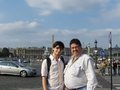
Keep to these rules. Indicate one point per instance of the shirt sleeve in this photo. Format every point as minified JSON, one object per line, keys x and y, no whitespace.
{"x":44,"y":70}
{"x":90,"y":74}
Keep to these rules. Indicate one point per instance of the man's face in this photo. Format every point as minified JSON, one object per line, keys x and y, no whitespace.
{"x":57,"y":50}
{"x":75,"y":49}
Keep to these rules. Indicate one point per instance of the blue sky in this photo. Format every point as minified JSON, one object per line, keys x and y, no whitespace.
{"x":31,"y":23}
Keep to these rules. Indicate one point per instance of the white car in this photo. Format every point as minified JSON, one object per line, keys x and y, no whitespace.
{"x":16,"y":68}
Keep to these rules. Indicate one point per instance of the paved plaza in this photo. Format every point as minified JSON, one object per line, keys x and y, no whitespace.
{"x":104,"y":82}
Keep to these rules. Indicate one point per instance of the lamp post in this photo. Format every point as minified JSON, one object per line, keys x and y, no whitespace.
{"x":110,"y":48}
{"x":95,"y":53}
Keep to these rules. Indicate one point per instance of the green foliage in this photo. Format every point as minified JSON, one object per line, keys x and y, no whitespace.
{"x":5,"y":52}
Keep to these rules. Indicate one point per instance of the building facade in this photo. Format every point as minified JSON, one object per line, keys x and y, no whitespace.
{"x":29,"y":53}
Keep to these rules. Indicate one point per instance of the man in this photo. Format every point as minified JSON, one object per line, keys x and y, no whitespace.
{"x":79,"y":73}
{"x":53,"y":79}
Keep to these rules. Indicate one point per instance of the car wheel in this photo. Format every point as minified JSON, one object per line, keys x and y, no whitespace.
{"x":23,"y":73}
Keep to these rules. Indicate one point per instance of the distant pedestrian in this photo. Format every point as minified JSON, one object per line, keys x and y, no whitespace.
{"x":19,"y":60}
{"x":118,"y":66}
{"x":103,"y":67}
{"x":114,"y":67}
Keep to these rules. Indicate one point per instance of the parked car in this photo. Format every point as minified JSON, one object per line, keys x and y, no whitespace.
{"x":16,"y":68}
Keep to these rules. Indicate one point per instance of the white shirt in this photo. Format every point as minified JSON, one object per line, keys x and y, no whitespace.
{"x":80,"y":73}
{"x":55,"y":76}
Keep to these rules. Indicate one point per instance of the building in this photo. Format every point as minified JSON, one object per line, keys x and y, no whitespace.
{"x":29,"y":53}
{"x":116,"y":53}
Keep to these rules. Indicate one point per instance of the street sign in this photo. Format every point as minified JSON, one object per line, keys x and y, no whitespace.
{"x":102,"y":54}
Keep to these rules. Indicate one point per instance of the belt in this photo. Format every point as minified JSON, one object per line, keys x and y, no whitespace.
{"x":78,"y":88}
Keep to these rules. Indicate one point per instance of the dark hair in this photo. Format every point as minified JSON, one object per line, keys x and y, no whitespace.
{"x":76,"y":41}
{"x":59,"y":43}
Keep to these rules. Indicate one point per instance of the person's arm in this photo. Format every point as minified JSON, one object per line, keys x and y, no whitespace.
{"x":44,"y":83}
{"x":44,"y":75}
{"x":65,"y":88}
{"x":91,"y":76}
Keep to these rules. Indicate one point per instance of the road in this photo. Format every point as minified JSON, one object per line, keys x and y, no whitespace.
{"x":8,"y":82}
{"x":115,"y":81}
{"x":19,"y":83}
{"x":34,"y":83}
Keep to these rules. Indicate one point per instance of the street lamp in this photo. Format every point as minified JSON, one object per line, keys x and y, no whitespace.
{"x":95,"y":53}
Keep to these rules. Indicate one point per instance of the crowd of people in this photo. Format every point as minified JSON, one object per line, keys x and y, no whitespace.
{"x":105,"y":67}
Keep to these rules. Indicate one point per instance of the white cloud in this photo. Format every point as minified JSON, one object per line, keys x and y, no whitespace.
{"x":47,"y":7}
{"x":45,"y":13}
{"x":31,"y":34}
{"x":112,"y":13}
{"x":85,"y":35}
{"x":64,"y":5}
{"x":19,"y":25}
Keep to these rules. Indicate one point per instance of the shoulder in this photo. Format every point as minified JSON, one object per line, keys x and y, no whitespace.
{"x":86,"y":57}
{"x":47,"y":59}
{"x":44,"y":61}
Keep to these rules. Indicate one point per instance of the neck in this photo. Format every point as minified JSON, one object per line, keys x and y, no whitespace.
{"x":56,"y":56}
{"x":74,"y":58}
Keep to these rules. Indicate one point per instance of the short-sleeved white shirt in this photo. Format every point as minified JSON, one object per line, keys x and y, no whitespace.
{"x":80,"y":73}
{"x":55,"y":75}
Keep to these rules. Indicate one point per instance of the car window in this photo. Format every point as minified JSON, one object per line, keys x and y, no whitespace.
{"x":22,"y":65}
{"x":12,"y":64}
{"x":3,"y":63}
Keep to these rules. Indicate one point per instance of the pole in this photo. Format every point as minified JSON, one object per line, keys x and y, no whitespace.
{"x":96,"y":54}
{"x":110,"y":48}
{"x":52,"y":40}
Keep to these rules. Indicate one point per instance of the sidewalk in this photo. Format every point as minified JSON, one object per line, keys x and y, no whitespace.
{"x":30,"y":89}
{"x":104,"y":82}
{"x":104,"y":89}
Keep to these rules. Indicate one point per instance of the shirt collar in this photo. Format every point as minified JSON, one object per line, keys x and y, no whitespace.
{"x":52,"y":58}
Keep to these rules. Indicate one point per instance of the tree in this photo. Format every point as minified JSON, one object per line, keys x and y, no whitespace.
{"x":5,"y":52}
{"x":1,"y":54}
